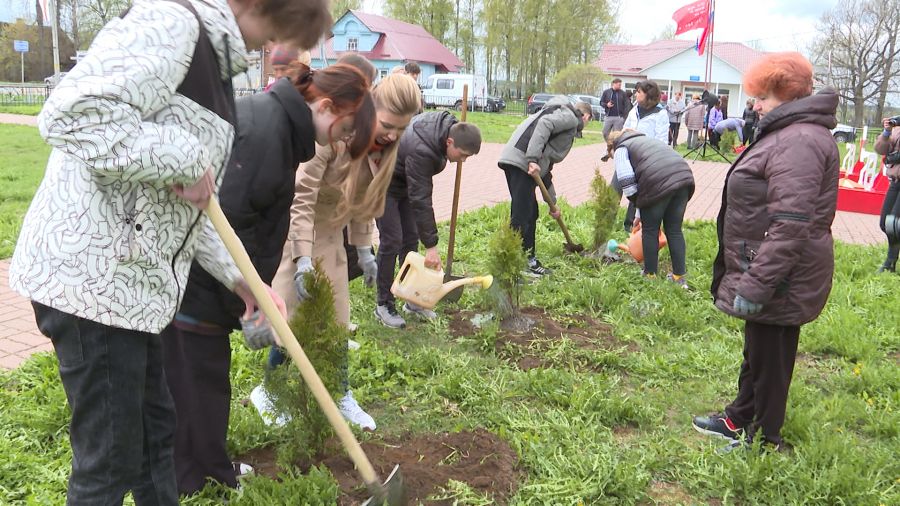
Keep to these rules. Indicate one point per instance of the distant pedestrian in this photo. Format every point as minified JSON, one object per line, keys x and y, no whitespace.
{"x":649,"y":115}
{"x":731,"y":124}
{"x":888,"y":144}
{"x":751,"y":118}
{"x":675,"y":107}
{"x":714,"y":117}
{"x":694,"y":116}
{"x":616,"y":104}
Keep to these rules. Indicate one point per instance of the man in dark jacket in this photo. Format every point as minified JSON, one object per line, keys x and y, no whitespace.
{"x":540,"y":141}
{"x":276,"y":134}
{"x":431,"y":140}
{"x":617,"y":106}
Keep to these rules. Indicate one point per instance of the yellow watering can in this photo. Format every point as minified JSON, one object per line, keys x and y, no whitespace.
{"x":425,"y":287}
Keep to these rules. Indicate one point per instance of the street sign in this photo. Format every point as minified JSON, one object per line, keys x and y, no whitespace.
{"x":20,"y":46}
{"x":695,"y":78}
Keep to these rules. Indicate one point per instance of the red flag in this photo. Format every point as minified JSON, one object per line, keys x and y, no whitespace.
{"x":701,"y":44}
{"x":691,"y":17}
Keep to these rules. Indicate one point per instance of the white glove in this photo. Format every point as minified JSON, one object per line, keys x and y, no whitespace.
{"x":304,"y":267}
{"x":255,"y":335}
{"x":366,"y":262}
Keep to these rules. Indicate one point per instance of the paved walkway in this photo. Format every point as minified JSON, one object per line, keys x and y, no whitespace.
{"x":483,"y":184}
{"x":18,"y":119}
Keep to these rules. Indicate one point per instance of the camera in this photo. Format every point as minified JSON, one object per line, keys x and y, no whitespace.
{"x":892,"y":158}
{"x":895,"y":121}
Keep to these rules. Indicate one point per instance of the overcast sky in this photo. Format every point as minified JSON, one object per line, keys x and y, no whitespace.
{"x":778,"y":25}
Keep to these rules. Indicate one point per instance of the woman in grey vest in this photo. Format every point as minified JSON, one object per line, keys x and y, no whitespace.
{"x":659,"y":183}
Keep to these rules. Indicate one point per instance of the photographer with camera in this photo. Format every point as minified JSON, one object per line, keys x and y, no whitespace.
{"x":888,"y":145}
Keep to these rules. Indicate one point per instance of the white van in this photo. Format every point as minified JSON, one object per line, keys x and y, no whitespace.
{"x":446,"y":90}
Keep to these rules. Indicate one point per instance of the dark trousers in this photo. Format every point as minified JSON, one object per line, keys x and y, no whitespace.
{"x":398,"y":236}
{"x":749,"y":131}
{"x":891,"y":205}
{"x":197,"y":369}
{"x":629,"y":217}
{"x":674,"y":128}
{"x":765,"y":377}
{"x":668,"y":212}
{"x":713,"y":137}
{"x":123,"y":419}
{"x":524,"y":209}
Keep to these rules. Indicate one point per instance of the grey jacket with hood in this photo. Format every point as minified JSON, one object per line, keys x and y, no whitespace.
{"x":555,"y":128}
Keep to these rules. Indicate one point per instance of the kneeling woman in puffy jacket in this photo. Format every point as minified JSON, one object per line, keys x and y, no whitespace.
{"x":659,"y":183}
{"x":776,"y":252}
{"x":278,"y":130}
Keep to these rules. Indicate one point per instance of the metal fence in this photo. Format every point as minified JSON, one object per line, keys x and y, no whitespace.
{"x":23,"y":94}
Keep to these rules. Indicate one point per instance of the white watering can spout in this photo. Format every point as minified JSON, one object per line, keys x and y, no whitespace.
{"x":425,"y":287}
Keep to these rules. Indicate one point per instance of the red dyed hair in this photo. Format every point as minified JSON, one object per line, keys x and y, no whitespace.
{"x":788,"y":76}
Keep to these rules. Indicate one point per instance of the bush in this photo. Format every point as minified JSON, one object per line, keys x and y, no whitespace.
{"x":506,"y":261}
{"x":728,"y":141}
{"x":605,"y":205}
{"x":314,"y":324}
{"x":577,"y":79}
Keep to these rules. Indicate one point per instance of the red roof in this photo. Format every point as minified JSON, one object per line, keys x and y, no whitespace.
{"x":625,"y":59}
{"x":399,"y":41}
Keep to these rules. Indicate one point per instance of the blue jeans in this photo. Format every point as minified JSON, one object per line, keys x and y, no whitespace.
{"x":668,"y":212}
{"x":123,"y":418}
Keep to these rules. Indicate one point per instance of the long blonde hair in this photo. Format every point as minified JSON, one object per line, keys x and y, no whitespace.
{"x":397,"y":94}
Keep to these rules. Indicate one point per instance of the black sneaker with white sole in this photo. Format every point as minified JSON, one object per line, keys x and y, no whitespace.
{"x":536,"y":269}
{"x":717,"y":425}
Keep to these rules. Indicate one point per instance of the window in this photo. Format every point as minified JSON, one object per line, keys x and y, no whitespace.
{"x":444,"y":84}
{"x":352,"y":44}
{"x":384,"y":73}
{"x":428,"y":84}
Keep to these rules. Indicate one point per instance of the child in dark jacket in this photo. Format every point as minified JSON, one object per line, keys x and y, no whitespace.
{"x":431,"y":140}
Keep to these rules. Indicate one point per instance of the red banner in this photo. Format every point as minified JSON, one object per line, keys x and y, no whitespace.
{"x":701,"y":44}
{"x":691,"y":17}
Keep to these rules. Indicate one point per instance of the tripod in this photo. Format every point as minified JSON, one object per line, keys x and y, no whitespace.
{"x":701,"y":149}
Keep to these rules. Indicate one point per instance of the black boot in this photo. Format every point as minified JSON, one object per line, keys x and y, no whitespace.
{"x":890,"y":263}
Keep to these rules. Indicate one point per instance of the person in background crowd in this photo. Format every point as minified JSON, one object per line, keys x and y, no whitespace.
{"x":141,"y":130}
{"x":649,"y":115}
{"x":715,"y":116}
{"x":413,"y":70}
{"x":279,"y":130}
{"x":674,"y":108}
{"x":694,"y":116}
{"x":287,"y":62}
{"x":751,"y":118}
{"x":539,"y":142}
{"x":733,"y":124}
{"x":723,"y":105}
{"x":775,"y":261}
{"x":616,"y":104}
{"x":888,"y":145}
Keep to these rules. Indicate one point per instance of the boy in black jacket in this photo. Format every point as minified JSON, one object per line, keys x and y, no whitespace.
{"x":431,"y":141}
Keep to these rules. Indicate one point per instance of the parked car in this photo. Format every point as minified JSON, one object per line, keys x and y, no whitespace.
{"x":843,"y":133}
{"x":594,"y":102}
{"x":53,"y":80}
{"x":537,"y":101}
{"x":494,"y":104}
{"x":446,"y":90}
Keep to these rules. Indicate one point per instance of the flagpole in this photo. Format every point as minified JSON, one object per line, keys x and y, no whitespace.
{"x":55,"y":31}
{"x":712,"y":38}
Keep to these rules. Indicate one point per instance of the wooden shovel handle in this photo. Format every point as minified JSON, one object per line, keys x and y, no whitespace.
{"x":451,"y":243}
{"x":553,"y":208}
{"x":279,"y":324}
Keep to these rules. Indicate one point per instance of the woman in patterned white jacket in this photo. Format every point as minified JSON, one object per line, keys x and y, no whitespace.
{"x":141,"y":131}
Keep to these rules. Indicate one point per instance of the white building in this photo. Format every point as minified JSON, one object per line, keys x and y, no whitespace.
{"x":675,"y":66}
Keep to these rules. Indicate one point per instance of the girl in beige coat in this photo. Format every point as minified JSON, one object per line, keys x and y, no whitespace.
{"x":333,"y":192}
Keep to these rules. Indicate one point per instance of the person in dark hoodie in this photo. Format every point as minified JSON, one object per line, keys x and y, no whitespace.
{"x":659,"y":182}
{"x":540,"y":141}
{"x":776,"y":251}
{"x":278,"y":131}
{"x":432,"y":140}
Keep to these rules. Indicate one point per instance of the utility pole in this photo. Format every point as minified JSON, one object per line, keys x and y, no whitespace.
{"x":54,"y":16}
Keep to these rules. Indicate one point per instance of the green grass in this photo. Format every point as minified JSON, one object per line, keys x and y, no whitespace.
{"x":23,"y":156}
{"x":617,"y":432}
{"x":498,"y":128}
{"x":28,"y":110}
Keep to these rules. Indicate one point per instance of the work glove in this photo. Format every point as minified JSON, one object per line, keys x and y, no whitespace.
{"x":257,"y":335}
{"x":745,"y":307}
{"x":366,"y":262}
{"x":304,"y":267}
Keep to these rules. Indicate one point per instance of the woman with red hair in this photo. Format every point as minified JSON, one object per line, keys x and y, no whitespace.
{"x":776,"y":252}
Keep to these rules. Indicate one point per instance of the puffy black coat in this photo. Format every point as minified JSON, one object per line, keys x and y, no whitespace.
{"x":774,"y":227}
{"x":658,"y":169}
{"x":421,"y":155}
{"x":275,"y":135}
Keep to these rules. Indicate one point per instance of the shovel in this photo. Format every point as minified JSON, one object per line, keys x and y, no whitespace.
{"x":456,"y":293}
{"x":392,"y":491}
{"x":571,"y":246}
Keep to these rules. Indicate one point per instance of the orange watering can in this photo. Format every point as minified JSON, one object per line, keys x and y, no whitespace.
{"x":634,"y":246}
{"x":425,"y":287}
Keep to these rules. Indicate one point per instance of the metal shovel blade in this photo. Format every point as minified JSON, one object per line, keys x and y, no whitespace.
{"x":391,"y":493}
{"x":455,"y":294}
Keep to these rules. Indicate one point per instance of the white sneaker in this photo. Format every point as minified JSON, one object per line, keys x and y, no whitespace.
{"x":263,"y":404}
{"x":411,"y":308}
{"x":352,"y":345}
{"x":355,"y":414}
{"x":352,"y":327}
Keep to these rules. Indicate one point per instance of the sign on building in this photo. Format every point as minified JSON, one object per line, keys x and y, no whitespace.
{"x":20,"y":46}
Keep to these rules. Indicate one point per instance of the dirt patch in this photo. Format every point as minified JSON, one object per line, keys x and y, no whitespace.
{"x":478,"y":458}
{"x":262,"y":460}
{"x":534,"y":348}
